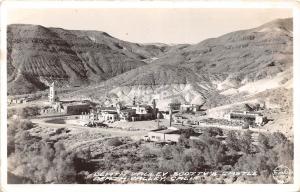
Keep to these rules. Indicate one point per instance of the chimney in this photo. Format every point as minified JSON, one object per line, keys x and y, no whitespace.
{"x":157,"y":119}
{"x":170,"y":113}
{"x":154,"y":109}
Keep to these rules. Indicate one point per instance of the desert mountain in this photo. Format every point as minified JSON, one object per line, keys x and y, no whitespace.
{"x":219,"y":69}
{"x":247,"y":55}
{"x":216,"y":71}
{"x":37,"y":55}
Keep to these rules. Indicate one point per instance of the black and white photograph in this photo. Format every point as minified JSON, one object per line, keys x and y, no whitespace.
{"x":148,"y":95}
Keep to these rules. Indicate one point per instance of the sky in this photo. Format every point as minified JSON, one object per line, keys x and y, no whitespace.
{"x":139,"y":25}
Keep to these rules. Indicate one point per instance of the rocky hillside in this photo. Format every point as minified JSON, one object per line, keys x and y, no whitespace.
{"x":37,"y":55}
{"x":242,"y":56}
{"x":216,"y":70}
{"x":213,"y":72}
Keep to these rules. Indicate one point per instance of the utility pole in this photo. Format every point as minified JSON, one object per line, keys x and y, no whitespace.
{"x":157,"y":120}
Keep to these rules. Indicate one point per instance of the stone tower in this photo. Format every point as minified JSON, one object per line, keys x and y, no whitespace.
{"x":52,"y":94}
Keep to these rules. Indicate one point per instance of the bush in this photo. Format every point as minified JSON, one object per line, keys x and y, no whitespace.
{"x":43,"y":163}
{"x":10,"y":113}
{"x":246,"y":142}
{"x":167,"y":152}
{"x":114,"y":142}
{"x":263,"y":141}
{"x":28,"y":111}
{"x":178,"y":159}
{"x":14,"y":128}
{"x":213,"y":131}
{"x":233,"y":141}
{"x":214,"y":152}
{"x":36,"y":159}
{"x":26,"y":124}
{"x":183,"y":141}
{"x":148,"y":154}
{"x":277,"y":138}
{"x":193,"y":160}
{"x":275,"y":150}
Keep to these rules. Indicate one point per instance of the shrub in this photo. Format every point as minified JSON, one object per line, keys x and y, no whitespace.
{"x":233,"y":141}
{"x":148,"y":154}
{"x":167,"y":152}
{"x":27,"y":111}
{"x":25,"y":124}
{"x":213,"y":131}
{"x":193,"y":160}
{"x":246,"y":142}
{"x":36,"y":159}
{"x":15,"y":128}
{"x":43,"y":163}
{"x":114,"y":142}
{"x":277,"y":138}
{"x":263,"y":141}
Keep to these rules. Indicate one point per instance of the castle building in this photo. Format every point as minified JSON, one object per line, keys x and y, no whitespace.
{"x":55,"y":106}
{"x":135,"y":112}
{"x":127,"y":114}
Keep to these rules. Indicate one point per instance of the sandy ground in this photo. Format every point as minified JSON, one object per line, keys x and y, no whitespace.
{"x":139,"y":125}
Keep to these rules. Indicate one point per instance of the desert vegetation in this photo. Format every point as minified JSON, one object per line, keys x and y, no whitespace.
{"x":33,"y":159}
{"x":41,"y":160}
{"x":38,"y":160}
{"x":23,"y":112}
{"x":236,"y":153}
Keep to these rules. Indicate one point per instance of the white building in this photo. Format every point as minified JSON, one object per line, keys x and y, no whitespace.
{"x":252,"y":117}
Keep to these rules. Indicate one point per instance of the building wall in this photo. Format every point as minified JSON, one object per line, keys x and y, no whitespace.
{"x":172,"y":137}
{"x":155,"y":136}
{"x":127,"y":116}
{"x":257,"y":119}
{"x":89,"y":116}
{"x":219,"y":125}
{"x":77,"y":109}
{"x":140,"y":110}
{"x":51,"y":111}
{"x":145,"y":116}
{"x":136,"y":118}
{"x":17,"y":101}
{"x":190,"y":108}
{"x":110,"y":117}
